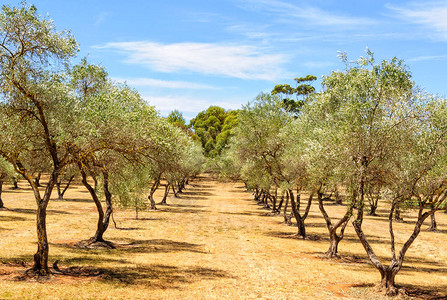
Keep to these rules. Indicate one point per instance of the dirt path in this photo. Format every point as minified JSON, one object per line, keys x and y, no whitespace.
{"x":240,"y":246}
{"x":214,"y":242}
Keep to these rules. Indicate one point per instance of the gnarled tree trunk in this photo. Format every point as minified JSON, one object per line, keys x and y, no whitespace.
{"x":332,"y":228}
{"x":433,"y":225}
{"x":281,"y":202}
{"x":98,"y":237}
{"x":176,"y":192}
{"x":61,"y":192}
{"x":41,"y":256}
{"x":102,"y":223}
{"x":295,"y":210}
{"x":15,"y":184}
{"x":388,"y":273}
{"x":274,"y":199}
{"x":108,"y":199}
{"x":1,"y":189}
{"x":287,"y":218}
{"x":152,"y":191}
{"x":165,"y":195}
{"x":37,"y":179}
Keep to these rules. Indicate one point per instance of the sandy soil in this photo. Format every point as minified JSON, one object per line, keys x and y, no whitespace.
{"x":214,"y":242}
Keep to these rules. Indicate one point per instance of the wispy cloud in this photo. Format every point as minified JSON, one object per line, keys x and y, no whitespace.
{"x":430,"y":14}
{"x":102,"y":17}
{"x":303,"y":11}
{"x":150,"y":82}
{"x":428,"y":57}
{"x":240,"y":61}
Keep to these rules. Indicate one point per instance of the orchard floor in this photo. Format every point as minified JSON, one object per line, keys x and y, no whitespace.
{"x":214,"y":242}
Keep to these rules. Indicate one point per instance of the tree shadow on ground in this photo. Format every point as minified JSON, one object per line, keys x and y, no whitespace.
{"x":437,"y":292}
{"x":190,"y":197}
{"x":186,"y":210}
{"x":20,"y":260}
{"x":87,"y":260}
{"x":11,"y":219}
{"x":159,"y":246}
{"x":294,"y":236}
{"x":124,"y":247}
{"x":34,"y":211}
{"x":160,"y":276}
{"x":315,"y":224}
{"x":195,"y":193}
{"x":246,"y":213}
{"x":440,"y":231}
{"x":76,"y":200}
{"x":154,"y":276}
{"x":185,"y":205}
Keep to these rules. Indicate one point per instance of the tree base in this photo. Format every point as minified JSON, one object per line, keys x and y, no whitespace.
{"x":94,"y":244}
{"x":300,"y":236}
{"x":391,"y":291}
{"x":331,"y":255}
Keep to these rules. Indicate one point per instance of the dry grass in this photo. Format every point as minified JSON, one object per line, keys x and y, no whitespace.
{"x":214,"y":242}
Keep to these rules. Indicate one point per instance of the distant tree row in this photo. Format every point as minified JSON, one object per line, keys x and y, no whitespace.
{"x":370,"y":134}
{"x":212,"y":128}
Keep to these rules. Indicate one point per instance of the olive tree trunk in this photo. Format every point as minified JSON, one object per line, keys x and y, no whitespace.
{"x":388,"y":273}
{"x":165,"y":195}
{"x":41,"y":256}
{"x":37,"y":179}
{"x":287,"y":218}
{"x":60,"y":191}
{"x":1,"y":189}
{"x":15,"y":184}
{"x":152,"y":191}
{"x":296,"y":212}
{"x":108,"y":200}
{"x":334,"y":237}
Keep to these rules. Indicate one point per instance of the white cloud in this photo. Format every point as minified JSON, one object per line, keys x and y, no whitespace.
{"x":240,"y":61}
{"x":430,"y":14}
{"x":165,"y":83}
{"x":312,"y":15}
{"x":428,"y":57}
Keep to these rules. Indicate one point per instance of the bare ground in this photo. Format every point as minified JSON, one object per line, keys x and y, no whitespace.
{"x":213,"y":242}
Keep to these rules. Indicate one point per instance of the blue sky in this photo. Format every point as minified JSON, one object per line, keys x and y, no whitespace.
{"x":190,"y":54}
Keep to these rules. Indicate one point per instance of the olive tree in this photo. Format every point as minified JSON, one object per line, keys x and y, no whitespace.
{"x":33,"y":103}
{"x":269,"y":152}
{"x":110,"y":118}
{"x":417,"y":176}
{"x":314,"y":140}
{"x":387,"y":131}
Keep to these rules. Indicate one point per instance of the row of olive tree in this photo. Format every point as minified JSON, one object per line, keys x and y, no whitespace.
{"x":61,"y":120}
{"x":369,"y":130}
